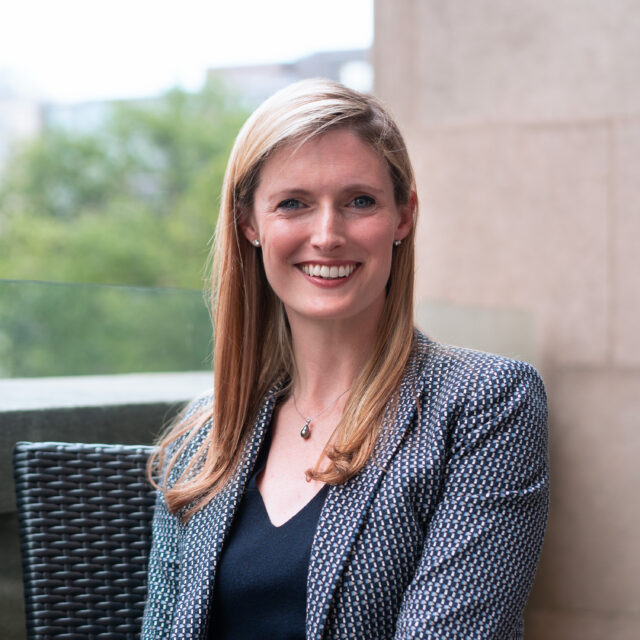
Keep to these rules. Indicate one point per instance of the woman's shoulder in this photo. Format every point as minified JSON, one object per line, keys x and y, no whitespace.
{"x":188,"y":434}
{"x":468,"y":371}
{"x":200,"y":404}
{"x":477,"y":395}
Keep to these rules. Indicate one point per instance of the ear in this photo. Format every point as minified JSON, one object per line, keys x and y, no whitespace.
{"x":248,"y":227}
{"x":407,"y":214}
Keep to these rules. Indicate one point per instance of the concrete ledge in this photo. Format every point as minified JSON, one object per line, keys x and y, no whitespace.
{"x":125,"y":409}
{"x":28,"y":394}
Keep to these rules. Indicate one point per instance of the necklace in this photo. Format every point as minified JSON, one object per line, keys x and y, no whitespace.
{"x":305,"y":431}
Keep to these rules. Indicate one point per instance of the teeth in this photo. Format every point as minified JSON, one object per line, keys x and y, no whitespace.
{"x":331,"y":273}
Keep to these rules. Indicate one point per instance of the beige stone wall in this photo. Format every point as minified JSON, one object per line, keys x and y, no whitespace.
{"x":523,"y":119}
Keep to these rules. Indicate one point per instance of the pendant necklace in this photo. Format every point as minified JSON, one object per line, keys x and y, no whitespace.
{"x":305,"y":431}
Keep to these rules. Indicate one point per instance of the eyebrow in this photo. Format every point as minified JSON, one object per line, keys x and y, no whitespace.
{"x":294,"y":192}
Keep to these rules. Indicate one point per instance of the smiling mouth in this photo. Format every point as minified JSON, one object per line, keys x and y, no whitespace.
{"x":329,"y":272}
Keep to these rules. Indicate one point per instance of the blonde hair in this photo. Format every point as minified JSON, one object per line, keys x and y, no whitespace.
{"x":252,"y":342}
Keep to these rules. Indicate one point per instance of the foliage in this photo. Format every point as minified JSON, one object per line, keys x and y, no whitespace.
{"x":132,"y":203}
{"x":60,"y":329}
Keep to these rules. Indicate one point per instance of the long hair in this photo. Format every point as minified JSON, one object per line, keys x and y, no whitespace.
{"x":252,"y":340}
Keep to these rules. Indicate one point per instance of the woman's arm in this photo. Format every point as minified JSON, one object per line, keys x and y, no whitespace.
{"x":164,"y":559}
{"x":162,"y":583}
{"x":485,"y":535}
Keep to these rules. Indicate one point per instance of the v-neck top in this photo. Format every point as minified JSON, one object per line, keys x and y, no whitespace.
{"x":261,"y":581}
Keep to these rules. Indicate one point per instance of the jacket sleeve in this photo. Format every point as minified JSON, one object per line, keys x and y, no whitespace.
{"x":164,"y":559}
{"x":162,"y":581}
{"x":484,"y":537}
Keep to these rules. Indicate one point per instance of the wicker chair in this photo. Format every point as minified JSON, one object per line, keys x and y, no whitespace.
{"x":85,"y":531}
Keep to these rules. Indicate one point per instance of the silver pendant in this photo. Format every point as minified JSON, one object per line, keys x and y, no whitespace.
{"x":305,"y":432}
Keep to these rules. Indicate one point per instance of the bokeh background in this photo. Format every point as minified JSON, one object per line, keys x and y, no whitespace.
{"x":523,"y":122}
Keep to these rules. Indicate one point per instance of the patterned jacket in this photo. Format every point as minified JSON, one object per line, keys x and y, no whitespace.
{"x":437,"y":537}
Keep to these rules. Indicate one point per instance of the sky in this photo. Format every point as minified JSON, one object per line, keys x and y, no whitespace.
{"x":79,"y":50}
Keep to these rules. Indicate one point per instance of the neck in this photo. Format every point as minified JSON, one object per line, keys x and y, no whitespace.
{"x":329,"y":356}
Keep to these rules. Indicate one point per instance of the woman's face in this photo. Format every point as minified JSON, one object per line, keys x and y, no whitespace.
{"x":326,"y":218}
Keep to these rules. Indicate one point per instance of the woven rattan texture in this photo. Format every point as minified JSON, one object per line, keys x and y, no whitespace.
{"x":85,"y":531}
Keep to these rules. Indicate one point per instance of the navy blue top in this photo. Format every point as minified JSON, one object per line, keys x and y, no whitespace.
{"x":261,"y":581}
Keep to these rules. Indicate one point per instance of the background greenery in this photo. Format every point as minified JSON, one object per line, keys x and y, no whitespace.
{"x":131,"y":203}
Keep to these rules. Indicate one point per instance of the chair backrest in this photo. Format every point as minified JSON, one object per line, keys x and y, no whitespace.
{"x":85,"y":515}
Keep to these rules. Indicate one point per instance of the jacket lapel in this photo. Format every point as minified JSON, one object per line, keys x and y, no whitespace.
{"x":346,"y":506}
{"x":205,"y":533}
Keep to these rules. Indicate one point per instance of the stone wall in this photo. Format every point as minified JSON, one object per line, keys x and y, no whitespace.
{"x":523,"y":120}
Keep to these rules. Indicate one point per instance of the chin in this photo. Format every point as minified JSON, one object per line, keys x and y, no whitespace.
{"x":338,"y":312}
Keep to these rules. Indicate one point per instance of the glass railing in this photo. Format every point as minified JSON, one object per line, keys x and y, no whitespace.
{"x":508,"y":332}
{"x":50,"y":329}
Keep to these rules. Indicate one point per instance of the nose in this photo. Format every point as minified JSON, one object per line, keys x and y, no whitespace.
{"x":328,"y":228}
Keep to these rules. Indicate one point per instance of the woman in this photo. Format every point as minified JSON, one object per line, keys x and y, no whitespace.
{"x":349,"y":478}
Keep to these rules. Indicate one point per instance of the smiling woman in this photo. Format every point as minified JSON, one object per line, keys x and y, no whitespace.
{"x":326,"y":218}
{"x":349,"y":478}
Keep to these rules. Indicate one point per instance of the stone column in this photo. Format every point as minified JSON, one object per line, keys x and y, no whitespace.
{"x":523,"y":120}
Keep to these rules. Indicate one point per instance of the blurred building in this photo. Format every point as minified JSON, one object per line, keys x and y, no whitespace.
{"x":78,"y":116}
{"x":255,"y":83}
{"x":523,"y":120}
{"x":20,"y":114}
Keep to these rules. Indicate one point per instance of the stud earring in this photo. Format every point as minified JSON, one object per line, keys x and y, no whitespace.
{"x":256,"y":242}
{"x":397,"y":243}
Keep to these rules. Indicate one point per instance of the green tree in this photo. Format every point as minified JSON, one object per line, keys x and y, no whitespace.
{"x":133,"y":203}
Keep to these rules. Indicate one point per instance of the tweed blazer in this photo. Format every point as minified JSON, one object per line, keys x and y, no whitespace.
{"x":437,"y":537}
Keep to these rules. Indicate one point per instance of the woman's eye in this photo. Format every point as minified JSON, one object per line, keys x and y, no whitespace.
{"x":290,"y":204}
{"x":362,"y":202}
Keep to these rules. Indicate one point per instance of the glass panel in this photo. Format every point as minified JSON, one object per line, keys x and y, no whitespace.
{"x":49,"y":329}
{"x":508,"y":332}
